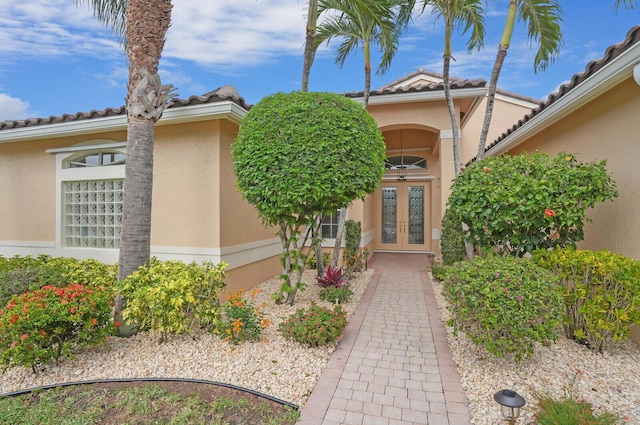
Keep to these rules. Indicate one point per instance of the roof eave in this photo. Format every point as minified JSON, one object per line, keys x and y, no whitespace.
{"x":220,"y":110}
{"x":612,"y":74}
{"x":421,"y":96}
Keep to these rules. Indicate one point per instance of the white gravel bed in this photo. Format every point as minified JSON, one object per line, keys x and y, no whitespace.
{"x":609,"y":381}
{"x":276,"y":367}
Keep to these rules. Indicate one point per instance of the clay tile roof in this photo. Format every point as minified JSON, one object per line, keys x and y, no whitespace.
{"x":219,"y":95}
{"x":612,"y":52}
{"x":455,"y":84}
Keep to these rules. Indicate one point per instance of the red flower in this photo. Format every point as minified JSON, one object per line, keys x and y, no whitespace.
{"x":94,"y":322}
{"x":549,"y":213}
{"x":14,"y":319}
{"x":72,"y":310}
{"x":117,"y":324}
{"x":24,"y":336}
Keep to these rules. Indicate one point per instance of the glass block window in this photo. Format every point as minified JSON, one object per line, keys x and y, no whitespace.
{"x":92,"y":213}
{"x":329,"y":226}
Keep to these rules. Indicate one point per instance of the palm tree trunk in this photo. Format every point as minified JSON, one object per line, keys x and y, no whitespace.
{"x":491,"y":95}
{"x":135,"y":243}
{"x":309,"y":51}
{"x":505,"y":42}
{"x":367,"y":73}
{"x":452,"y":114}
{"x":147,"y":25}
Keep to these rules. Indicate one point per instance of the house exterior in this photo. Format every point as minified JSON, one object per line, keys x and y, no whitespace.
{"x":596,"y":115}
{"x":61,"y":177}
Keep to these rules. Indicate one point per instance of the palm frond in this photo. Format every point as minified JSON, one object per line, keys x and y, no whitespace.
{"x":111,"y":13}
{"x":544,"y":20}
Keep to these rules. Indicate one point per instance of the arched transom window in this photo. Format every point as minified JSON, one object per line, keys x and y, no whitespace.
{"x":409,"y":162}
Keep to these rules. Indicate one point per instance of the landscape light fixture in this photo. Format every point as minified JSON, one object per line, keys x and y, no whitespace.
{"x":510,"y":403}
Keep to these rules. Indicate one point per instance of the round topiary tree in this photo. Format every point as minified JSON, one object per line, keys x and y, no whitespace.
{"x":515,"y":204}
{"x":300,"y":155}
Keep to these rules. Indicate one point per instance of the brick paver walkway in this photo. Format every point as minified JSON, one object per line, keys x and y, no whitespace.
{"x":393,"y":365}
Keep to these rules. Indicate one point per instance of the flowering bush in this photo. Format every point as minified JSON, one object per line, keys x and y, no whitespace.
{"x":22,"y":274}
{"x":315,"y":326}
{"x":172,"y":297}
{"x":43,"y":325}
{"x":506,"y":304}
{"x":516,"y":204}
{"x":601,"y":293}
{"x":335,"y":295}
{"x":241,"y":320}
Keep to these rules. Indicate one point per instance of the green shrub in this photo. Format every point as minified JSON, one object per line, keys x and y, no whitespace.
{"x":22,"y":274}
{"x":241,"y":320}
{"x":504,"y":303}
{"x":451,"y":239}
{"x":354,"y":258}
{"x":438,"y":271}
{"x":315,"y":326}
{"x":40,"y":326}
{"x":336,"y":295}
{"x":310,"y":260}
{"x":515,"y":204}
{"x":601,"y":293}
{"x":173,"y":297}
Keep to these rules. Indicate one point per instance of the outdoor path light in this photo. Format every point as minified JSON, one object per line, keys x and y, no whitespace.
{"x":510,"y":403}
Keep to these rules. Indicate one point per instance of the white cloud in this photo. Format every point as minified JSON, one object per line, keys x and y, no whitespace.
{"x":12,"y":108}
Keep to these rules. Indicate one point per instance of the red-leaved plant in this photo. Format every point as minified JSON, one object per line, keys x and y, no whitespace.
{"x":332,"y":278}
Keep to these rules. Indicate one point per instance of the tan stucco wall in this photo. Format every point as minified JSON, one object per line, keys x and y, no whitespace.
{"x":606,"y":128}
{"x":27,"y":192}
{"x":432,"y":114}
{"x":238,"y":219}
{"x":248,"y":277}
{"x":185,"y":186}
{"x":28,"y":187}
{"x":505,"y":114}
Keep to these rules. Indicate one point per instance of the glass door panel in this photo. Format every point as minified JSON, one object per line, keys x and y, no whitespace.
{"x":390,"y":215}
{"x":416,"y":215}
{"x":403,"y":217}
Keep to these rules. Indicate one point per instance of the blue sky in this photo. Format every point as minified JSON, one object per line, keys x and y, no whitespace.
{"x":56,"y":58}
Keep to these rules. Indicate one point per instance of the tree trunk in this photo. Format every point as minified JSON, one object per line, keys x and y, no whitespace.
{"x":342,"y":217}
{"x":312,"y":18}
{"x":147,"y":24}
{"x":367,"y":74}
{"x":491,"y":95}
{"x":455,"y":129}
{"x":318,"y":250}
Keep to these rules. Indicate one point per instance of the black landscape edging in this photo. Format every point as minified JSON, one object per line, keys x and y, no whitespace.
{"x":195,"y":381}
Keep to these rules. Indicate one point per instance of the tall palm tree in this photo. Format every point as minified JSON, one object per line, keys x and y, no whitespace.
{"x":361,"y":24}
{"x":543,"y":19}
{"x":465,"y":14}
{"x":144,"y":29}
{"x":309,"y":52}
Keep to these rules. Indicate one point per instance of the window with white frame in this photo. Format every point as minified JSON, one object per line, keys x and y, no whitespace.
{"x":329,"y":225}
{"x":91,"y":184}
{"x":93,"y":213}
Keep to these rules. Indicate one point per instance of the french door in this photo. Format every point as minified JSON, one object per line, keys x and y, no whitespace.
{"x":404,"y":216}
